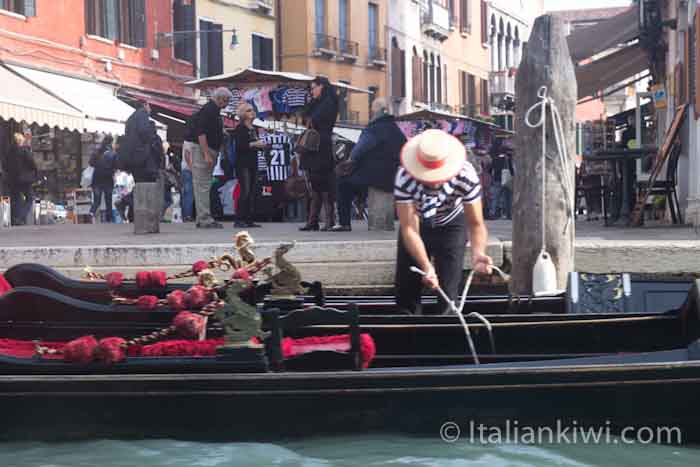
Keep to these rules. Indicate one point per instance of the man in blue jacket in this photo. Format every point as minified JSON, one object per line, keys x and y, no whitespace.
{"x":375,"y":159}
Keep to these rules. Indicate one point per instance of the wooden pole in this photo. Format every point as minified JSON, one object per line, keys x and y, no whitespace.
{"x":148,"y":200}
{"x":546,"y":62}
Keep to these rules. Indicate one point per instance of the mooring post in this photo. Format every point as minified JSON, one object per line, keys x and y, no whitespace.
{"x":546,"y":62}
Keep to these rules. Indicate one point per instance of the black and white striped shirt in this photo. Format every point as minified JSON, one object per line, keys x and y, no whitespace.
{"x":279,"y":156}
{"x":439,"y":206}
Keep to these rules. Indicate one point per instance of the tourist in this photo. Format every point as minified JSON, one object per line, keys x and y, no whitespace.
{"x":206,"y":137}
{"x":247,"y":145}
{"x":373,"y":161}
{"x":318,"y":165}
{"x":102,"y":161}
{"x":21,"y":174}
{"x":135,"y":154}
{"x":438,"y":199}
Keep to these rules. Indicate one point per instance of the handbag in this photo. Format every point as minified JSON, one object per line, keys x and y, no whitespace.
{"x":295,"y":187}
{"x":309,"y":141}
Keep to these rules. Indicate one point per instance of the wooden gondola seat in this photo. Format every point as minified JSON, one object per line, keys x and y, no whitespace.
{"x":598,"y":293}
{"x":324,"y":358}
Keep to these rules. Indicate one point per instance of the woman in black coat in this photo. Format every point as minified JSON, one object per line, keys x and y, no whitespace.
{"x":22,"y":173}
{"x":319,"y":165}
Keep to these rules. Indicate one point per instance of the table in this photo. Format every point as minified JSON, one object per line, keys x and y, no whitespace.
{"x":624,"y":176}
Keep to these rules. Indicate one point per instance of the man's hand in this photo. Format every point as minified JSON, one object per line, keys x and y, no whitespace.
{"x":430,"y":279}
{"x":482,"y":264}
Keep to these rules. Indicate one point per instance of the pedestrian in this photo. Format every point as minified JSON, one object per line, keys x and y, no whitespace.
{"x":102,"y":161}
{"x":319,"y":165}
{"x":136,"y":154}
{"x":373,"y":161}
{"x":247,"y":145}
{"x":502,"y":185}
{"x":205,"y":142}
{"x":438,"y":200}
{"x":21,"y":174}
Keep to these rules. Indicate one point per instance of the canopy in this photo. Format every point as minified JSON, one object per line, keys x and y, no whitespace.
{"x":252,"y":76}
{"x":427,"y":114}
{"x":592,"y":40}
{"x":103,"y":111}
{"x":22,"y":100}
{"x":610,"y":70}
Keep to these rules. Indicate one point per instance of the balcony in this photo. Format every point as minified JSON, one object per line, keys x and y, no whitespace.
{"x":325,"y":46}
{"x":376,"y":56}
{"x":261,"y":6}
{"x":502,"y":83}
{"x":349,"y":50}
{"x":435,"y":21}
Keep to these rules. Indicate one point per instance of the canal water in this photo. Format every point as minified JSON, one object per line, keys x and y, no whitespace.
{"x":385,"y":451}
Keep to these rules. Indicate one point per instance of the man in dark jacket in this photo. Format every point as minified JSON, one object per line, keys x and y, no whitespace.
{"x":374,"y":159}
{"x":135,"y":155}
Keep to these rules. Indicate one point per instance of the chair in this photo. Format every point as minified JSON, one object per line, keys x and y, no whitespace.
{"x":295,"y":323}
{"x":668,"y":186}
{"x":595,"y":180}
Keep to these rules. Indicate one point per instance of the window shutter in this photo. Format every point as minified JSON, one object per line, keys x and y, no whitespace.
{"x":139,"y":23}
{"x":438,"y":83}
{"x":204,"y":41}
{"x":697,"y":63}
{"x":29,"y":7}
{"x":267,"y":55}
{"x":484,"y":22}
{"x":416,"y":79}
{"x":485,"y":107}
{"x":190,"y":41}
{"x":477,"y":96}
{"x":395,"y":71}
{"x":464,"y":16}
{"x":402,"y":60}
{"x":257,"y":52}
{"x":686,"y":66}
{"x":90,"y":16}
{"x":216,"y":50}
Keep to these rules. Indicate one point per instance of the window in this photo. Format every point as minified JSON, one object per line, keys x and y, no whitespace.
{"x":119,"y":20}
{"x":320,"y":17}
{"x":21,"y":7}
{"x":438,"y":81}
{"x":373,"y":24}
{"x":467,"y":87}
{"x":453,"y":13}
{"x":343,"y":20}
{"x":484,"y":22}
{"x":211,"y":49}
{"x":432,"y":78}
{"x":465,"y":24}
{"x":183,"y":20}
{"x":425,"y":79}
{"x":262,"y":53}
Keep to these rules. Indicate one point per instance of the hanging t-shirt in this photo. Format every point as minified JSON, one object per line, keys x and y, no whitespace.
{"x":279,"y":156}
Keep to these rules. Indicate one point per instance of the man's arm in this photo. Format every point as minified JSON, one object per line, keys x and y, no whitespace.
{"x":410,"y":233}
{"x":478,"y":237}
{"x":366,"y":143}
{"x":204,"y":145}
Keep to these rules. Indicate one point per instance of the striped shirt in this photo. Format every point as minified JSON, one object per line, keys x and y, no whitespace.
{"x":278,"y":156}
{"x":442,"y":205}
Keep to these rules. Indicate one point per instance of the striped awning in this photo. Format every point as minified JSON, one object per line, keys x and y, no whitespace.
{"x":22,"y":101}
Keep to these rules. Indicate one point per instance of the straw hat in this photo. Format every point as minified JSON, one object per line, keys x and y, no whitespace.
{"x":433,"y":156}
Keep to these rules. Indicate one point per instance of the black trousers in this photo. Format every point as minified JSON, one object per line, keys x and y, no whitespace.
{"x":248,"y":180}
{"x":446,"y":245}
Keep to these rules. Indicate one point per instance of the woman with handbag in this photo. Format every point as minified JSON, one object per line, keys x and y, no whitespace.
{"x":319,"y":164}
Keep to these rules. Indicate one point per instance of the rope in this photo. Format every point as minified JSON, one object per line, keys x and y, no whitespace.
{"x":460,"y":315}
{"x":558,"y":130}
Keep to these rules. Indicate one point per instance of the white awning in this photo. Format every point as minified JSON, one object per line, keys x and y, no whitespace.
{"x":103,"y":111}
{"x":21,"y":100}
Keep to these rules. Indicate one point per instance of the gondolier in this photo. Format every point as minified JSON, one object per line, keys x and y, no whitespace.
{"x":438,"y":199}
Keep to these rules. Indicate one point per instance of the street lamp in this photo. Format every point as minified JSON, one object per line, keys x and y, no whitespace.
{"x":160,"y":36}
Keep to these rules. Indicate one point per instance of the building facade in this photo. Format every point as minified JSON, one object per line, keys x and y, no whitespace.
{"x":64,"y":62}
{"x":509,"y":24}
{"x":339,"y":39}
{"x":439,"y":56}
{"x":223,"y":51}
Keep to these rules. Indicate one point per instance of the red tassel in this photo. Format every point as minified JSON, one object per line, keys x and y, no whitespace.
{"x":143,"y":279}
{"x":189,"y":325}
{"x":177,"y":300}
{"x":159,"y":279}
{"x":199,"y":266}
{"x":80,"y":350}
{"x":147,"y":302}
{"x":114,"y":280}
{"x":111,"y":350}
{"x":241,"y":274}
{"x":198,"y":296}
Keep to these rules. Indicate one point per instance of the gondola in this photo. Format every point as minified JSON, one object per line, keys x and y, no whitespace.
{"x":140,"y":398}
{"x":641,"y":295}
{"x":401,"y":340}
